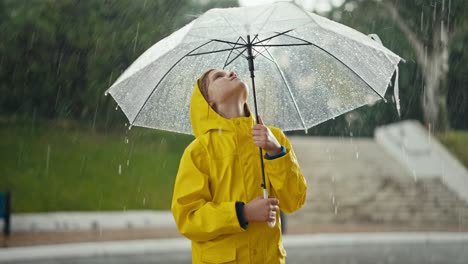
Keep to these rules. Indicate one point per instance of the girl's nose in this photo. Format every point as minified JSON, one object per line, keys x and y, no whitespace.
{"x":232,"y":74}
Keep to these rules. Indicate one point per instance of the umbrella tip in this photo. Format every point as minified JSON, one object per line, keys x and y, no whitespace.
{"x":106,"y":93}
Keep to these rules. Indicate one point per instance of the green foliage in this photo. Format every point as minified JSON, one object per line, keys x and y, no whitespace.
{"x":66,"y":166}
{"x":58,"y":57}
{"x":369,"y":16}
{"x":456,"y":142}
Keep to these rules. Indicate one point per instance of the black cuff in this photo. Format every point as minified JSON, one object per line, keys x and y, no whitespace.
{"x":240,"y":215}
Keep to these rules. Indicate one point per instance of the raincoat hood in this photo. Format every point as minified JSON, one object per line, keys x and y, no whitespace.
{"x":204,"y":118}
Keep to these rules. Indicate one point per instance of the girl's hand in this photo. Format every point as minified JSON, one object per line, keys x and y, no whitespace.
{"x":265,"y":139}
{"x":261,"y":210}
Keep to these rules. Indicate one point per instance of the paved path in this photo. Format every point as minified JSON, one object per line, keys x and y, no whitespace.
{"x":441,"y":248}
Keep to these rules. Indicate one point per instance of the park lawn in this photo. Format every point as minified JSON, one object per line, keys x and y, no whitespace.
{"x":55,"y":167}
{"x":66,"y":166}
{"x":456,"y":141}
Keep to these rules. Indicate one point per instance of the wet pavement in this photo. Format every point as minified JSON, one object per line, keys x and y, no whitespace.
{"x":402,"y":248}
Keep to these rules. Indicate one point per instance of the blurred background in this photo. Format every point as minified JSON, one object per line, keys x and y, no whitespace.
{"x":65,"y":147}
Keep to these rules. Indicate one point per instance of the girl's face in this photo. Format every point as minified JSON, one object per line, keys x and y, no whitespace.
{"x":224,"y":86}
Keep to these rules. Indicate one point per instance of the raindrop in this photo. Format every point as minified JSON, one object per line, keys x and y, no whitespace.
{"x":429,"y":134}
{"x":333,"y":199}
{"x":126,"y":124}
{"x":106,"y":93}
{"x":120,"y":169}
{"x":144,"y":201}
{"x":117,"y":108}
{"x":59,"y":64}
{"x":422,"y":20}
{"x":20,"y":154}
{"x":336,"y":210}
{"x":48,"y":160}
{"x":126,"y":140}
{"x":110,"y":78}
{"x":136,"y":38}
{"x":129,"y":127}
{"x":357,"y":155}
{"x":128,"y":163}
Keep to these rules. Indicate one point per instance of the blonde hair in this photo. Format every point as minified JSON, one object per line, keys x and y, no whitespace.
{"x":203,"y":84}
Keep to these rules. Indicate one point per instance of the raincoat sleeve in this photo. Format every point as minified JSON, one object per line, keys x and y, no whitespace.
{"x":197,"y":217}
{"x":285,"y":176}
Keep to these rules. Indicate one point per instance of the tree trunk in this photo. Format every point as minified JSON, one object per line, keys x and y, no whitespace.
{"x":434,"y":65}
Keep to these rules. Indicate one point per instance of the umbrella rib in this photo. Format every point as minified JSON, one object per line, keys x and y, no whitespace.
{"x":228,"y":42}
{"x":214,"y":51}
{"x":226,"y":62}
{"x":261,"y":53}
{"x":274,"y":36}
{"x":283,"y":45}
{"x":238,"y":55}
{"x":289,"y":89}
{"x":287,"y":35}
{"x":162,"y":78}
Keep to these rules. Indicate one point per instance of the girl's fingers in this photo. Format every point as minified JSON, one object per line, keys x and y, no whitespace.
{"x":260,"y":120}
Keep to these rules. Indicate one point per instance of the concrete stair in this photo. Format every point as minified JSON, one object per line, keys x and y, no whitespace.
{"x":354,"y":181}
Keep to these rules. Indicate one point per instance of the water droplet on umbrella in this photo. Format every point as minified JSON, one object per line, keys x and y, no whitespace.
{"x":117,"y":108}
{"x":106,"y":93}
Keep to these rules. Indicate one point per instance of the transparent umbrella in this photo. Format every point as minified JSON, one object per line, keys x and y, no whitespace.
{"x":304,"y":68}
{"x":308,"y":69}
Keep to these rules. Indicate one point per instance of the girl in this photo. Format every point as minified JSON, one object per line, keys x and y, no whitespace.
{"x":217,"y":201}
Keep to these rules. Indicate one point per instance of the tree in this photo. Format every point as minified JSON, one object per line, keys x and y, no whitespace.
{"x":429,"y":28}
{"x":58,"y":57}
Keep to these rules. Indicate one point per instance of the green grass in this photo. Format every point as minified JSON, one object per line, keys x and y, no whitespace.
{"x":66,"y":166}
{"x":63,"y":166}
{"x":457,"y":143}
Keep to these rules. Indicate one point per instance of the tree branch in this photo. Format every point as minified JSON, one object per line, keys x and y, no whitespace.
{"x":416,"y":43}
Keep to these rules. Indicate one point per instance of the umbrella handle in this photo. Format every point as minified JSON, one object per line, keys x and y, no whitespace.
{"x":265,"y":196}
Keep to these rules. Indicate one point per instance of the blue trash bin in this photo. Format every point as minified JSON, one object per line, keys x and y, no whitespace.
{"x":5,"y":211}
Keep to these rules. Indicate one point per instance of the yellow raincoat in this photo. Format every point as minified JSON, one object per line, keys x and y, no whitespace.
{"x":220,"y":167}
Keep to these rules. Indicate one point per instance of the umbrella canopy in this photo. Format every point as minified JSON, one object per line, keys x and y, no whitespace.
{"x":308,"y":68}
